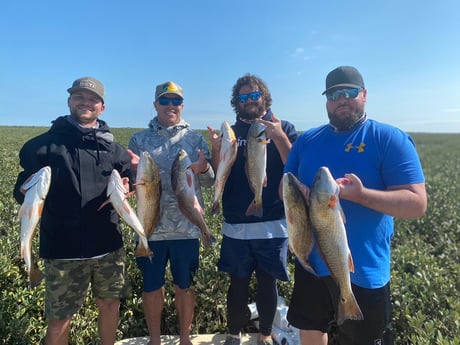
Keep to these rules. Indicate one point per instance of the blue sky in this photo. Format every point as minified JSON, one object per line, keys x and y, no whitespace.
{"x":408,"y":52}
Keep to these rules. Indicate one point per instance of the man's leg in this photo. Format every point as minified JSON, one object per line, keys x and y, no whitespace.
{"x":153,"y":307}
{"x":108,"y":320}
{"x":185,"y":306}
{"x":313,"y":337}
{"x":57,"y":332}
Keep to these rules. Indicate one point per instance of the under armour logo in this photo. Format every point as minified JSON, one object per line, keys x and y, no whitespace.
{"x":360,"y":148}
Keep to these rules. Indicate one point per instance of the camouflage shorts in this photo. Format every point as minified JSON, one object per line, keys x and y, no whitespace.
{"x":67,"y":282}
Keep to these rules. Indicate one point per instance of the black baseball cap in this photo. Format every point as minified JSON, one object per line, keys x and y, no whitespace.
{"x":343,"y":77}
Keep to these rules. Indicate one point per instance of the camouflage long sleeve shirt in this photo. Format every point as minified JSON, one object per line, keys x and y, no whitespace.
{"x":163,"y":144}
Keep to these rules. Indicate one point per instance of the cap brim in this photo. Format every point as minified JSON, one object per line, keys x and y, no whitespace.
{"x":169,"y":93}
{"x":71,"y":90}
{"x":341,"y":86}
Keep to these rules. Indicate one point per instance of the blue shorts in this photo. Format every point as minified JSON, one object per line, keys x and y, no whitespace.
{"x":241,"y":257}
{"x":314,"y":302}
{"x":183,"y":256}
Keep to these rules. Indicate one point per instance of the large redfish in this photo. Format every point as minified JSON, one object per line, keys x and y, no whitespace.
{"x":36,"y":188}
{"x":256,"y":165}
{"x":183,"y":185}
{"x":227,"y":156}
{"x":116,"y":193}
{"x":328,"y":221}
{"x":148,"y":192}
{"x":299,"y":227}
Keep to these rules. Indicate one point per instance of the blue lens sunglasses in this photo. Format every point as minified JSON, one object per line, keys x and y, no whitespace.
{"x":346,"y":93}
{"x":167,"y":100}
{"x":254,"y":96}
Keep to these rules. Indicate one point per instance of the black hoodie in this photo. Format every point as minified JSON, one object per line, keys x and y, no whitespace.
{"x":81,"y":161}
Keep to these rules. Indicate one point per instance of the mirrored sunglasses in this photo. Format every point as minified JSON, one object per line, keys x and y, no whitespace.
{"x":346,"y":93}
{"x":254,"y":96}
{"x":168,"y":100}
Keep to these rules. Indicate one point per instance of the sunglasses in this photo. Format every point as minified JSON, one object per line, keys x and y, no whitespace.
{"x":167,"y":100}
{"x":254,"y":96}
{"x":346,"y":93}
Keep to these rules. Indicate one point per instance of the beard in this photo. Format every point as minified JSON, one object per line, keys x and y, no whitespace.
{"x":347,"y":121}
{"x":251,"y":111}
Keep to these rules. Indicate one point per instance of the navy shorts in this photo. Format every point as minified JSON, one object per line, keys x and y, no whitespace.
{"x":183,"y":257}
{"x":241,"y":257}
{"x":314,"y":302}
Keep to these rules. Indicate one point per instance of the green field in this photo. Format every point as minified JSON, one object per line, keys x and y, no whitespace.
{"x":425,"y":276}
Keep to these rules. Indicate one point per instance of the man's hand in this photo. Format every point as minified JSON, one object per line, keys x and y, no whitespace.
{"x":201,"y":165}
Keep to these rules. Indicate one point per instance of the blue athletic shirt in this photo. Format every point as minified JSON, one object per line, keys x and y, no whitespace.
{"x":381,"y":156}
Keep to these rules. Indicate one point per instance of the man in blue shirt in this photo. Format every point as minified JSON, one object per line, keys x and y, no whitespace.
{"x":380,"y":177}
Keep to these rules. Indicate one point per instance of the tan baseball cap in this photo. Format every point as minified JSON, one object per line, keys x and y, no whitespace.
{"x":89,"y":84}
{"x":168,"y":87}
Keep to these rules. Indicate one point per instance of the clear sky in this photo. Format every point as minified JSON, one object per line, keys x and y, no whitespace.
{"x":407,"y":51}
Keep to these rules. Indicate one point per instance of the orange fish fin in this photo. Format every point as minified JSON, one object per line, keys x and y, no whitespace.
{"x":35,"y":276}
{"x":40,"y":209}
{"x":126,"y":207}
{"x":351,"y":265}
{"x":142,"y":251}
{"x":333,"y":200}
{"x":264,"y":184}
{"x":130,"y":194}
{"x":189,"y":179}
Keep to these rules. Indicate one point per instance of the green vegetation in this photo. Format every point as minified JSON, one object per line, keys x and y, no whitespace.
{"x":425,"y":278}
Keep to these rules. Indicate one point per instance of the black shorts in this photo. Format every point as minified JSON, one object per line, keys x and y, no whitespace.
{"x":314,"y":303}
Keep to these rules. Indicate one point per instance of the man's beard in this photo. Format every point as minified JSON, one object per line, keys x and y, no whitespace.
{"x":251,"y":111}
{"x":345,"y":123}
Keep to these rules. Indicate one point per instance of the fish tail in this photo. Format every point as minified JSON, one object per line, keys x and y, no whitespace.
{"x":304,"y":263}
{"x":349,"y":310}
{"x":35,"y":276}
{"x":143,"y":251}
{"x":255,"y":209}
{"x":208,"y":239}
{"x":104,"y":204}
{"x":215,"y":207}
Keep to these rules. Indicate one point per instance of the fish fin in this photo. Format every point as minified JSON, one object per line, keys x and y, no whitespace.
{"x":35,"y":276}
{"x":333,"y":200}
{"x":264,"y":141}
{"x":348,"y":309}
{"x":22,"y":211}
{"x":304,"y":263}
{"x":208,"y":239}
{"x":40,"y":209}
{"x":215,"y":208}
{"x":126,"y":206}
{"x":130,"y":194}
{"x":264,"y":183}
{"x":104,"y":204}
{"x":255,"y":209}
{"x":351,"y":265}
{"x":142,"y":251}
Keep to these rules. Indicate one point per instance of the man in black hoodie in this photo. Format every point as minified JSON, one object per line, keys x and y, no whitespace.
{"x":79,"y":244}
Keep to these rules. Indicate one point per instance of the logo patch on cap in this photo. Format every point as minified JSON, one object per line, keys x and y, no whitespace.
{"x":170,"y":86}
